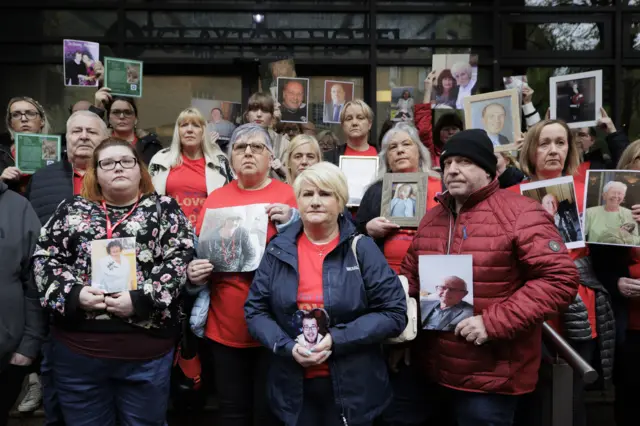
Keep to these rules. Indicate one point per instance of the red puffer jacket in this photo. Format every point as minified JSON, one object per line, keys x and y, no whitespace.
{"x":521,"y":273}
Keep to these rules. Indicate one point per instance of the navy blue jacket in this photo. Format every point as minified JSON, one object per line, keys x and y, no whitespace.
{"x":365,"y":305}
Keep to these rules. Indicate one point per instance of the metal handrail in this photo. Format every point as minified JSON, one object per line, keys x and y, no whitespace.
{"x":572,"y":358}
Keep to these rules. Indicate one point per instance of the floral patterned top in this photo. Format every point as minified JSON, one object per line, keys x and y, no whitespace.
{"x":164,"y":248}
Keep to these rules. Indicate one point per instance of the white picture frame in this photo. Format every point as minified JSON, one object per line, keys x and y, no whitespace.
{"x":360,"y":173}
{"x":589,"y":85}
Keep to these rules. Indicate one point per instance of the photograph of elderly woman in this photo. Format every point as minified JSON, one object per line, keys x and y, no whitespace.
{"x":233,"y":238}
{"x":403,"y":203}
{"x":558,"y":198}
{"x":608,"y":201}
{"x":113,"y":265}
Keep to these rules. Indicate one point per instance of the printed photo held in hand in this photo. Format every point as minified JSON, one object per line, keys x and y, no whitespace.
{"x":34,"y":151}
{"x":312,"y":325}
{"x":336,"y":95}
{"x":517,"y":82}
{"x":558,"y":198}
{"x":402,"y":103}
{"x":611,"y":205}
{"x":446,"y":290}
{"x":455,"y":79}
{"x":497,"y":113}
{"x":576,"y":98}
{"x":404,"y":198}
{"x":79,"y":62}
{"x":222,"y":116}
{"x":233,"y":238}
{"x":360,"y":172}
{"x":123,"y":76}
{"x":293,"y":96}
{"x":113,"y":265}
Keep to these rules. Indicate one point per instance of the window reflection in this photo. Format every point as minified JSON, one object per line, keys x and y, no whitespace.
{"x":568,"y":3}
{"x":557,"y":36}
{"x":414,"y":26}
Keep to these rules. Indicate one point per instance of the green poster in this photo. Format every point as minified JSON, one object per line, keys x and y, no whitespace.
{"x":35,"y":151}
{"x":123,"y":76}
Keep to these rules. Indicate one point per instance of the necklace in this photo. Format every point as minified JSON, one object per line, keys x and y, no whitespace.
{"x":320,"y":248}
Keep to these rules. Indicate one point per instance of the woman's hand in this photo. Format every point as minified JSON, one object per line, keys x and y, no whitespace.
{"x":605,"y":123}
{"x":199,"y":271}
{"x":102,"y":98}
{"x":10,"y":173}
{"x":20,"y":360}
{"x":380,"y":227}
{"x":120,"y":304}
{"x":280,"y":213}
{"x":629,"y":287}
{"x":92,"y":299}
{"x":527,"y":94}
{"x":324,"y":345}
{"x":98,"y":68}
{"x":306,"y":358}
{"x":429,"y":82}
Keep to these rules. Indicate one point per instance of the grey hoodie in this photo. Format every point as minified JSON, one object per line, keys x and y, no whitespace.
{"x":22,"y":319}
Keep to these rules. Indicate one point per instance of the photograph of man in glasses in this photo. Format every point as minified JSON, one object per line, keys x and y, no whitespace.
{"x":445,"y":312}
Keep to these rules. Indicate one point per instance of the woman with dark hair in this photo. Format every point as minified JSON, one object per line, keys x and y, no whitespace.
{"x":122,"y":118}
{"x":446,"y":90}
{"x":112,"y":353}
{"x":114,"y":270}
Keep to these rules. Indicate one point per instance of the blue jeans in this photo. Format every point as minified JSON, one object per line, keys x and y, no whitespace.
{"x":99,"y":392}
{"x":473,"y":409}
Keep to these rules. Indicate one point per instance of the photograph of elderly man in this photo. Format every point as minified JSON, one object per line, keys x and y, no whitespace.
{"x":444,"y":313}
{"x":292,"y":94}
{"x":565,"y":216}
{"x":339,"y":93}
{"x":493,"y":116}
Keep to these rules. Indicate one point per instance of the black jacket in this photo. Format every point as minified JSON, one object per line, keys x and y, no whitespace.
{"x":617,"y":143}
{"x":333,"y":156}
{"x":511,"y":176}
{"x":22,"y":320}
{"x":48,"y":187}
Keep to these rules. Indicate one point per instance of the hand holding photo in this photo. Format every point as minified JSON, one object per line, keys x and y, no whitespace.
{"x":360,"y":172}
{"x":404,"y":198}
{"x":498,"y":113}
{"x":233,"y":239}
{"x":293,"y":95}
{"x":576,"y":98}
{"x":113,"y":265}
{"x":609,"y":198}
{"x":446,"y":290}
{"x":123,"y":76}
{"x":336,"y":95}
{"x":79,"y":58}
{"x":558,"y":198}
{"x":517,"y":82}
{"x":312,"y":325}
{"x":34,"y":151}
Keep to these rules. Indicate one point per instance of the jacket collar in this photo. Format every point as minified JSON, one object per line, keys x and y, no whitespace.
{"x":288,"y":239}
{"x":447,"y":201}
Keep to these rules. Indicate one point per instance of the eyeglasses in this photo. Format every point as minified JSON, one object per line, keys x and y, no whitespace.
{"x":30,"y":114}
{"x":256,"y":148}
{"x":443,"y":288}
{"x":126,"y":163}
{"x":310,"y":327}
{"x":122,"y":112}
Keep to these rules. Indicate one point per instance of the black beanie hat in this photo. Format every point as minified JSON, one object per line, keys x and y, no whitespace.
{"x":475,"y":145}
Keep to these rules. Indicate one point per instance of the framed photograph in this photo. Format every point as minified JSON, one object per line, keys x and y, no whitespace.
{"x":222,"y":116}
{"x":270,"y":71}
{"x":113,"y":265}
{"x":456,"y":77}
{"x":609,"y":195}
{"x":498,"y":113}
{"x":576,"y":98}
{"x":360,"y":173}
{"x":123,"y":76}
{"x":558,"y":198}
{"x":446,"y":290}
{"x":233,"y":239}
{"x":336,"y":94}
{"x":78,"y":61}
{"x":516,"y":82}
{"x":293,"y":95}
{"x":402,"y":103}
{"x":404,"y":198}
{"x":34,"y":151}
{"x":312,"y":325}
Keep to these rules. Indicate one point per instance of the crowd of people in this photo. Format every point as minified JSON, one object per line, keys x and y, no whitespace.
{"x":96,"y":357}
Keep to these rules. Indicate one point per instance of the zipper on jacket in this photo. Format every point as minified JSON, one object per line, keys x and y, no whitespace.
{"x":455,"y":226}
{"x":339,"y":395}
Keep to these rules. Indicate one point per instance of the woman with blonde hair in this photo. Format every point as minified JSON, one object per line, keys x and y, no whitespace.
{"x":192,"y":167}
{"x":302,"y":152}
{"x":356,"y":119}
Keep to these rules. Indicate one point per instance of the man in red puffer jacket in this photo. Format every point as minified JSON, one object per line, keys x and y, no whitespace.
{"x":521,"y":274}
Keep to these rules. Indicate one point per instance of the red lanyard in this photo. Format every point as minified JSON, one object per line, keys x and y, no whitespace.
{"x":106,"y":212}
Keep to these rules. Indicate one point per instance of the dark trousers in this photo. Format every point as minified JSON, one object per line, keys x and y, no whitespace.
{"x":11,"y":378}
{"x":409,"y":406}
{"x":101,"y":392}
{"x":627,"y":379}
{"x":453,"y":407}
{"x":240,"y":376}
{"x":319,"y":404}
{"x":52,"y":411}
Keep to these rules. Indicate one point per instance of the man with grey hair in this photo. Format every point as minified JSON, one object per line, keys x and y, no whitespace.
{"x":56,"y":182}
{"x":463,"y":73}
{"x":493,"y":116}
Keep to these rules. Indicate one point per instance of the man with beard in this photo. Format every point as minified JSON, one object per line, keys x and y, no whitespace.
{"x":293,"y":108}
{"x":310,"y":335}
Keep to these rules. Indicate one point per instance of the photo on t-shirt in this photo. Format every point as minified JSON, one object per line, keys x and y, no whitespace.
{"x":446,"y":290}
{"x":113,"y":265}
{"x":233,"y":239}
{"x":311,"y":325}
{"x":558,"y":198}
{"x":608,"y":201}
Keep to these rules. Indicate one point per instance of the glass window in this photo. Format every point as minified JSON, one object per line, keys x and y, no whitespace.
{"x":556,"y":36}
{"x":60,"y":23}
{"x":414,"y":26}
{"x":569,"y":3}
{"x":630,"y":117}
{"x":635,"y":35}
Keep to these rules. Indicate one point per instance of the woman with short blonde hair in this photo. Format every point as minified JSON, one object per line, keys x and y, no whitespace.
{"x":302,"y":152}
{"x":356,"y":119}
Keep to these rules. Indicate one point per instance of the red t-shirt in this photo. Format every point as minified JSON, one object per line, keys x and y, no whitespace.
{"x":371,"y":152}
{"x":634,"y":304}
{"x":310,"y":291}
{"x":397,"y":244}
{"x":187,"y":184}
{"x":229,"y":290}
{"x":78,"y":179}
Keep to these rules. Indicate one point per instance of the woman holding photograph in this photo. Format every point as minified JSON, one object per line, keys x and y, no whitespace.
{"x":114,"y":270}
{"x":122,"y":119}
{"x":192,"y":167}
{"x":550,"y":151}
{"x":356,"y":119}
{"x":446,"y":90}
{"x":119,"y":346}
{"x":239,"y":363}
{"x":343,"y":379}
